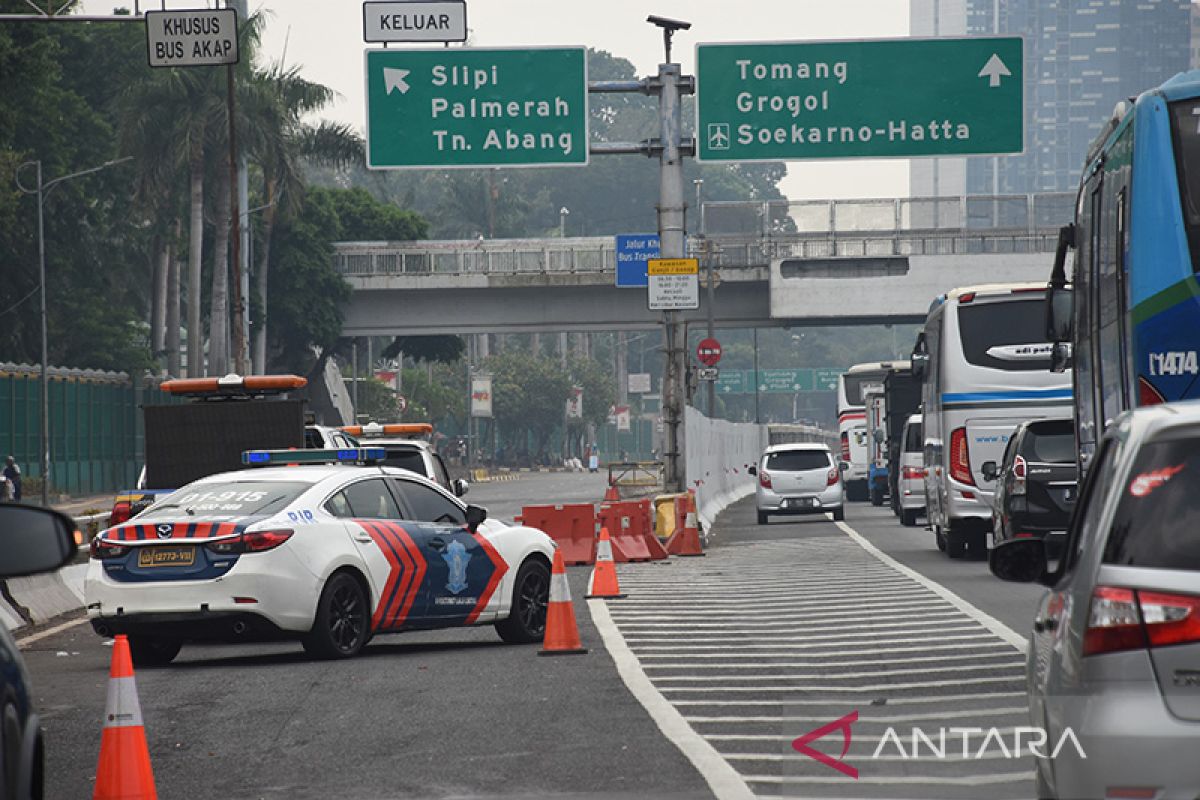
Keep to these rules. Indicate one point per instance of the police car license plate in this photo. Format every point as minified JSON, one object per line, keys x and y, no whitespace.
{"x":166,"y":556}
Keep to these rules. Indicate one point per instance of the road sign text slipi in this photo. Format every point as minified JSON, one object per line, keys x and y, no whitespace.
{"x":674,"y":284}
{"x":191,"y":38}
{"x":884,"y":98}
{"x":476,"y":108}
{"x":633,"y":250}
{"x":407,"y":21}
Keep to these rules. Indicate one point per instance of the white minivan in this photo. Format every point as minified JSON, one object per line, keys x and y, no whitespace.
{"x":985,"y":368}
{"x":798,"y":478}
{"x":911,"y":481}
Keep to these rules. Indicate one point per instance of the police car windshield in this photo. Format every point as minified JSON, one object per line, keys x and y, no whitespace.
{"x":228,"y":498}
{"x":405,"y":458}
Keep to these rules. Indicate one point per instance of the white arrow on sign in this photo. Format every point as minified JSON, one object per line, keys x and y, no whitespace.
{"x":994,"y":69}
{"x":394,"y":79}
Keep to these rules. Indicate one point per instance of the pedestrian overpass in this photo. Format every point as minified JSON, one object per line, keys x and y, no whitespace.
{"x":777,"y":263}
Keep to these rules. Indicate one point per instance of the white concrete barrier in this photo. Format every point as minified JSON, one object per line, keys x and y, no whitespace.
{"x":45,"y":596}
{"x":718,"y":455}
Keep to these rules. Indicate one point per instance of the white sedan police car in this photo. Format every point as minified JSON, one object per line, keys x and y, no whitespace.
{"x":313,"y":545}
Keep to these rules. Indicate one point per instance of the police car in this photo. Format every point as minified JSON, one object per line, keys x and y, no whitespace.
{"x":316,"y":545}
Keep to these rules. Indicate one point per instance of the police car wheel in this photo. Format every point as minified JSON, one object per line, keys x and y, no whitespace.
{"x":531,"y":593}
{"x":153,"y":651}
{"x":341,"y":626}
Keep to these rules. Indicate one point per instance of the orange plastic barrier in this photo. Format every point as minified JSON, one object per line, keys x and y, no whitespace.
{"x":686,"y":539}
{"x":572,"y":526}
{"x":629,"y":523}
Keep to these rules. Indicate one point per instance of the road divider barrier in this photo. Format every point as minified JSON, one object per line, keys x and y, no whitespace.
{"x":572,"y":526}
{"x":685,"y":541}
{"x":603,"y":581}
{"x":562,"y":634}
{"x":123,"y":772}
{"x":629,"y":525}
{"x":611,"y":495}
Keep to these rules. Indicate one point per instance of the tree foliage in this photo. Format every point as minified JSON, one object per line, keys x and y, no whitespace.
{"x":529,"y":395}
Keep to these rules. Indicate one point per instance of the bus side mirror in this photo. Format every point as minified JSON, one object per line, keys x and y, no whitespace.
{"x":1060,"y":356}
{"x":1060,"y":308}
{"x":879,"y":436}
{"x":920,"y":362}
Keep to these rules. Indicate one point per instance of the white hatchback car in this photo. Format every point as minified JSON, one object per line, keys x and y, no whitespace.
{"x":800,"y":478}
{"x":330,"y":554}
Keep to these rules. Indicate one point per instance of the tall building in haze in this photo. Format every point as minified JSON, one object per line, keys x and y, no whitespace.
{"x":1081,"y":58}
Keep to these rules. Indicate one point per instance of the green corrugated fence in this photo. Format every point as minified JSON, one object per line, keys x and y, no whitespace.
{"x":96,"y":436}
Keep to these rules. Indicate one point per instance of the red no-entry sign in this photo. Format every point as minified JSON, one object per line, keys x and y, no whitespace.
{"x":708,"y":352}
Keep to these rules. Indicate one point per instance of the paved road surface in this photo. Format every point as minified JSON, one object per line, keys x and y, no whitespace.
{"x":458,"y":714}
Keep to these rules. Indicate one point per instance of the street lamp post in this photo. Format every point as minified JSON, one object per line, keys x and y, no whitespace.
{"x":711,"y":389}
{"x":562,"y":221}
{"x":41,"y":190}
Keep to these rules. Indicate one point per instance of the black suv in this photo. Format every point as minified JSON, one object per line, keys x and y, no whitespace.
{"x":1037,"y":483}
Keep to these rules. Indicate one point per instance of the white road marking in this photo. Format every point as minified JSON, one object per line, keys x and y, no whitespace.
{"x":879,"y":673}
{"x":756,"y":659}
{"x":35,"y":637}
{"x":834,"y":654}
{"x":724,"y":780}
{"x":880,"y":687}
{"x":847,"y":640}
{"x":941,"y":698}
{"x":933,"y":716}
{"x":965,"y":780}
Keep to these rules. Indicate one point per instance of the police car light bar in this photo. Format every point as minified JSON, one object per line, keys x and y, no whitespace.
{"x":350,"y":455}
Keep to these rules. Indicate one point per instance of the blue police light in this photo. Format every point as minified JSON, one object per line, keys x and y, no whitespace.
{"x":350,"y":455}
{"x":256,"y":457}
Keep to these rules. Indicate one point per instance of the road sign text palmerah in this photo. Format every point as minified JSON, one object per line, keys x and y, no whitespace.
{"x":476,"y":108}
{"x":859,"y":99}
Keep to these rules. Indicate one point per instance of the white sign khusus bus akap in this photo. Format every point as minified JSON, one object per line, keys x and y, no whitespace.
{"x":408,"y":21}
{"x":192,"y":37}
{"x":674,"y":284}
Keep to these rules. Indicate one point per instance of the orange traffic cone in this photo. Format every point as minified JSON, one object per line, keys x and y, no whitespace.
{"x":124,"y":771}
{"x":603,"y":583}
{"x":611,"y":495}
{"x":686,"y":540}
{"x":562,"y":635}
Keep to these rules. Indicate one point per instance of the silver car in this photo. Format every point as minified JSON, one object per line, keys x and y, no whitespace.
{"x":1114,"y":658}
{"x":798,"y":479}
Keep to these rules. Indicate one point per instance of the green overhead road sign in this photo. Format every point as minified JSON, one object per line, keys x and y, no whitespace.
{"x":826,"y":380}
{"x":785,"y":380}
{"x":476,"y":108}
{"x":884,"y":98}
{"x":777,"y":381}
{"x":731,"y":381}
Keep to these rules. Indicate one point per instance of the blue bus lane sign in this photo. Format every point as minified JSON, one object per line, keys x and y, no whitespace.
{"x":633,"y":251}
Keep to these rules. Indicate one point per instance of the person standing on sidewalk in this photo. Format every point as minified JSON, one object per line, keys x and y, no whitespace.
{"x":12,"y":476}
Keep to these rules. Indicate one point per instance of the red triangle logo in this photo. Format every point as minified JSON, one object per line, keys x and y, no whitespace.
{"x":800,"y":745}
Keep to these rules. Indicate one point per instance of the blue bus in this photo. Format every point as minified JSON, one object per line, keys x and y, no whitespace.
{"x":1128,"y":320}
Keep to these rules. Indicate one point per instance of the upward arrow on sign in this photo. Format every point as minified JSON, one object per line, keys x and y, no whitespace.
{"x":994,"y":69}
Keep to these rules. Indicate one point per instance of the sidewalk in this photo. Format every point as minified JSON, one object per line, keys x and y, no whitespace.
{"x":80,"y":506}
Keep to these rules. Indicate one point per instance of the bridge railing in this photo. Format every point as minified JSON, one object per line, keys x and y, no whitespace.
{"x":751,"y":234}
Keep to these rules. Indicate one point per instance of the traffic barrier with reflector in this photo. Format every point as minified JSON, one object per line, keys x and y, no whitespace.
{"x":124,"y":771}
{"x":572,"y":526}
{"x":603,"y":582}
{"x":628,"y":524}
{"x":686,"y":539}
{"x":562,"y":634}
{"x":611,"y":495}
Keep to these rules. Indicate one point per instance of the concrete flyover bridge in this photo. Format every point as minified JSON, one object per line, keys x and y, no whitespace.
{"x":778,"y":263}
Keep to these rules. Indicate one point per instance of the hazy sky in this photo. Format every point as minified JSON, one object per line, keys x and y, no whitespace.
{"x":325,"y":38}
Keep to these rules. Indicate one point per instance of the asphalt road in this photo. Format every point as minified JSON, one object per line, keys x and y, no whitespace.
{"x":459,"y":714}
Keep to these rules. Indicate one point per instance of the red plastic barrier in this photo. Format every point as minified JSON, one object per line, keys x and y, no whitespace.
{"x":572,"y":526}
{"x":686,"y":539}
{"x":628,"y":525}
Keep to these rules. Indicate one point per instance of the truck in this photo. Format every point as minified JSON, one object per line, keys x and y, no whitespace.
{"x":902,"y":394}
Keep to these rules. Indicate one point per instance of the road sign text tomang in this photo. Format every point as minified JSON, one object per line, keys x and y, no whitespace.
{"x":476,"y":108}
{"x":191,"y":38}
{"x":884,"y":98}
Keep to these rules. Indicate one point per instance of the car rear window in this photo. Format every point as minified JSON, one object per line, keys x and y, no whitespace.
{"x":1008,"y":335}
{"x":1157,"y":523}
{"x":405,"y":458}
{"x":232,"y":498}
{"x":913,"y":441}
{"x":1050,"y":442}
{"x":797,"y":460}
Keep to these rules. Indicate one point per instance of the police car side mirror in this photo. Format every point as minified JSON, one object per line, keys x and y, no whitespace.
{"x":460,"y":487}
{"x":988,"y":469}
{"x":475,"y":517}
{"x":34,"y":540}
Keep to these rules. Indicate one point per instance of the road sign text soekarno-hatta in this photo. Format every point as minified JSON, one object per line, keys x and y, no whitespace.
{"x":476,"y":107}
{"x":859,"y":99}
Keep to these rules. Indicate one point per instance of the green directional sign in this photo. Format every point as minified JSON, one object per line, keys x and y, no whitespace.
{"x":826,"y":380}
{"x":881,"y":98}
{"x":732,"y":381}
{"x":784,"y":380}
{"x":476,"y":108}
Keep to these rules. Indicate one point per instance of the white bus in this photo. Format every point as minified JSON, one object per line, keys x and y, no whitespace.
{"x":852,"y":420}
{"x":985,"y":367}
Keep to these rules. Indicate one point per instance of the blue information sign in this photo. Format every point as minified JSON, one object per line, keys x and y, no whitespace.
{"x":633,"y":251}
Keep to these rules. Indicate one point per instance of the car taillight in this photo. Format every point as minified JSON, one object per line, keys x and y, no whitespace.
{"x":101,"y":550}
{"x":960,"y":459}
{"x":1170,"y":618}
{"x":912,"y":473}
{"x":1147,"y":394}
{"x":121,"y":511}
{"x":1018,"y":484}
{"x":831,"y":478}
{"x":845,"y":446}
{"x":250,"y":542}
{"x":1113,"y":622}
{"x":764,"y":479}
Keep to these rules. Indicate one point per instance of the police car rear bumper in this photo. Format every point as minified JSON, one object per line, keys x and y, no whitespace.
{"x":195,"y":626}
{"x":273,"y":587}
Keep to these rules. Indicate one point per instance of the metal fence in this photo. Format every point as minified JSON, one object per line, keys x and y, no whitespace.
{"x":96,"y":434}
{"x":750,"y":234}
